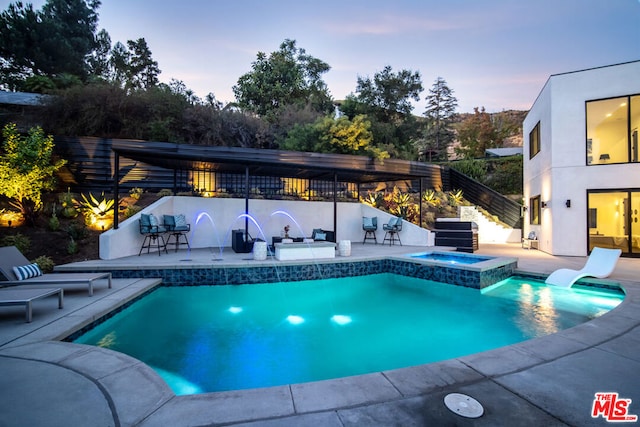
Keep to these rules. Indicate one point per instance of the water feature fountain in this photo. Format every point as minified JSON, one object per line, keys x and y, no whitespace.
{"x":202,"y":215}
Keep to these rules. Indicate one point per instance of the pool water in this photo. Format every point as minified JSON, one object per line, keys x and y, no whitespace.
{"x":215,"y":338}
{"x":450,"y":258}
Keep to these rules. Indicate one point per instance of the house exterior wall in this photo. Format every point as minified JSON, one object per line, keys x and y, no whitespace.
{"x":559,"y":172}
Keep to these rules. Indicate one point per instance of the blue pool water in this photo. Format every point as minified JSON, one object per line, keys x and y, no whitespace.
{"x":215,"y":338}
{"x":450,"y":258}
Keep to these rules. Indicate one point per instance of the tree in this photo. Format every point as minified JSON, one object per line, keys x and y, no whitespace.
{"x":142,"y":69}
{"x":440,"y":111}
{"x":99,"y":60}
{"x":119,"y":64}
{"x":344,"y":136}
{"x":18,"y":35}
{"x":386,"y":101}
{"x":335,"y":135}
{"x":55,"y":40}
{"x":27,"y":168}
{"x":287,"y":76}
{"x":390,"y":93}
{"x":476,"y":134}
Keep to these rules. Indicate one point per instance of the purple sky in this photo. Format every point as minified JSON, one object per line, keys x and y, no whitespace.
{"x":492,"y":53}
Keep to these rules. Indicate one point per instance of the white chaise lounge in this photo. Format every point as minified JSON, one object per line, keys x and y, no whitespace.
{"x":11,"y":257}
{"x":600,"y":264}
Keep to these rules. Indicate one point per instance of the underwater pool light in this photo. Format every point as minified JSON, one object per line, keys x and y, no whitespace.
{"x":295,"y":320}
{"x":235,"y":310}
{"x":341,"y":319}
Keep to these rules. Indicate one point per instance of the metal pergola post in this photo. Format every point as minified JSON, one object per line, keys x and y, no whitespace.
{"x":335,"y":205}
{"x":420,"y":202}
{"x":116,"y":189}
{"x":246,"y":201}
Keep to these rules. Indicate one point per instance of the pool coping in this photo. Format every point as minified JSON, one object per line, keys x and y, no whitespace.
{"x":121,"y":377}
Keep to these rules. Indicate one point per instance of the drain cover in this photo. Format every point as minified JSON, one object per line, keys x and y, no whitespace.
{"x":463,"y":405}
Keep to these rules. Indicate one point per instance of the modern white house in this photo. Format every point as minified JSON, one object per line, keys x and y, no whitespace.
{"x":581,"y":165}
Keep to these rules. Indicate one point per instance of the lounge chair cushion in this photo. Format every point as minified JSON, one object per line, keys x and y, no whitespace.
{"x":367,"y":222}
{"x":23,"y":272}
{"x":153,"y":221}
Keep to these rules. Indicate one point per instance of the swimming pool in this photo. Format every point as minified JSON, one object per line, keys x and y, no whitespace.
{"x":213,"y":338}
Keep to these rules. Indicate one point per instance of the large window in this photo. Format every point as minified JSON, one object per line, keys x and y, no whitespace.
{"x":612,"y":130}
{"x":534,"y":141}
{"x":614,"y":220}
{"x":534,"y":210}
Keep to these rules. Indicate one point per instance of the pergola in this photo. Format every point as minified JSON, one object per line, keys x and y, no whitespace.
{"x":275,"y":163}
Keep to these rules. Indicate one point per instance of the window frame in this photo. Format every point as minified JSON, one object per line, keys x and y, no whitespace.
{"x":628,"y":131}
{"x":534,"y":141}
{"x":535,"y":210}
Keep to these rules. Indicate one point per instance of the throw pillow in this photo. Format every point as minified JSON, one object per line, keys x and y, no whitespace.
{"x":181,"y":221}
{"x":153,"y":221}
{"x":27,"y":271}
{"x":321,"y":236}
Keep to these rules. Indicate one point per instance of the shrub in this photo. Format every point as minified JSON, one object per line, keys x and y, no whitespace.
{"x":476,"y":169}
{"x":72,"y":247}
{"x":27,"y":168}
{"x":429,"y":218}
{"x":165,"y":192}
{"x":136,"y":193}
{"x":506,"y":177}
{"x":77,"y":231}
{"x":130,"y":211}
{"x":45,"y":263}
{"x":19,"y":240}
{"x":54,"y":222}
{"x":68,"y":205}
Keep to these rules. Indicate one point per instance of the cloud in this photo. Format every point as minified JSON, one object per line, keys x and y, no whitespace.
{"x":388,"y":24}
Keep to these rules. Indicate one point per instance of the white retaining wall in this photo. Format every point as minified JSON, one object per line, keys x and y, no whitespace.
{"x":212,"y":220}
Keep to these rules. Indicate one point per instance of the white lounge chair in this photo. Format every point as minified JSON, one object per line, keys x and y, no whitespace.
{"x":11,"y":257}
{"x":600,"y":264}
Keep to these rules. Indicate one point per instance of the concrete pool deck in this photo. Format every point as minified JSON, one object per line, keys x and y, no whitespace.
{"x":546,"y":381}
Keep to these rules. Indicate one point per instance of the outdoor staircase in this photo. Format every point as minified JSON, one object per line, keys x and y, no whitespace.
{"x":490,"y":231}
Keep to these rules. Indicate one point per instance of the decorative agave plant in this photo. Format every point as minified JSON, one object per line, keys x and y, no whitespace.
{"x":92,"y":207}
{"x":97,"y":213}
{"x":373,"y":199}
{"x":430,"y":197}
{"x":455,"y":197}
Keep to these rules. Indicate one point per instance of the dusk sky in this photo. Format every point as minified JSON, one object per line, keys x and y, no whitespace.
{"x":492,"y":53}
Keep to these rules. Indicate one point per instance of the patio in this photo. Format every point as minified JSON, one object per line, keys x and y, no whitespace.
{"x":546,"y":381}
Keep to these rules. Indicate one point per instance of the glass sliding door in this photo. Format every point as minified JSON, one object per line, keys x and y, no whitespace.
{"x":634,"y":216}
{"x":634,"y":116}
{"x":613,"y":220}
